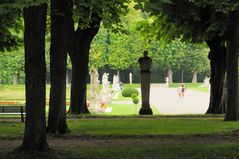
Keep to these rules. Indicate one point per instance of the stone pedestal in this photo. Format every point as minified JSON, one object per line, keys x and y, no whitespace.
{"x":145,"y":92}
{"x":145,"y":65}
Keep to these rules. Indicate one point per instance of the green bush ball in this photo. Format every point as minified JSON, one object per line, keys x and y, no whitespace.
{"x":127,"y":92}
{"x":134,"y":95}
{"x":135,"y":100}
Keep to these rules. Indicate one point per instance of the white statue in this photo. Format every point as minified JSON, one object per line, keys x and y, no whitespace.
{"x":105,"y":82}
{"x":116,"y":83}
{"x":167,"y":81}
{"x":94,"y":82}
{"x":206,"y":81}
{"x":130,"y":78}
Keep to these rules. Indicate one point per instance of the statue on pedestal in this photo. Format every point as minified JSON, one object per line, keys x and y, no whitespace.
{"x":130,"y":78}
{"x":145,"y":63}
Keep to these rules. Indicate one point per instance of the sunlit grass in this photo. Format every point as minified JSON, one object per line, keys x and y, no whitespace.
{"x":191,"y":86}
{"x":135,"y":126}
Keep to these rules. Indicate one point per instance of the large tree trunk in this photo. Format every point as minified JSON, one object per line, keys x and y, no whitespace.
{"x":80,"y":57}
{"x":58,"y":54}
{"x":170,"y":74}
{"x":182,"y":73}
{"x":232,"y":67}
{"x":195,"y":79}
{"x":217,"y":56}
{"x":35,"y":68}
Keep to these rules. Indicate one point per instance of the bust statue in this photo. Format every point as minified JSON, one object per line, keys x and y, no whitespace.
{"x":145,"y":62}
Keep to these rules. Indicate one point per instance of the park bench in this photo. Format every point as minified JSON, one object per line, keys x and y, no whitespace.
{"x":13,"y":110}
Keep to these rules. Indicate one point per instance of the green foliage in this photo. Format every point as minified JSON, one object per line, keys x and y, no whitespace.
{"x":11,"y":26}
{"x":135,"y":100}
{"x":11,"y":63}
{"x":195,"y":20}
{"x":196,"y":58}
{"x":127,"y":92}
{"x":108,"y":11}
{"x":134,"y":95}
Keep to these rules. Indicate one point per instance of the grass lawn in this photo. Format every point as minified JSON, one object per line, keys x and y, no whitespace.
{"x":136,"y":126}
{"x":131,"y":137}
{"x":127,"y":109}
{"x":16,"y":93}
{"x":191,"y":86}
{"x":175,"y":151}
{"x":120,"y":138}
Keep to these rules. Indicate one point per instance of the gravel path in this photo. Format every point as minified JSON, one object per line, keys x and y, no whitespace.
{"x":168,"y":102}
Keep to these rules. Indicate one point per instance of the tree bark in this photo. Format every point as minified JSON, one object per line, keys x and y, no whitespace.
{"x":79,"y":55}
{"x":232,"y":67}
{"x":182,"y":73}
{"x":195,"y":79}
{"x":35,"y":69}
{"x":217,"y":56}
{"x":58,"y":54}
{"x":170,"y":74}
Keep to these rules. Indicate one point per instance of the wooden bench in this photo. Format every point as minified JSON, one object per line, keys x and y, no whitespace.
{"x":13,"y":110}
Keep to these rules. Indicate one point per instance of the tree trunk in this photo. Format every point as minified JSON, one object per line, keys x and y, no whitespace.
{"x":170,"y":75}
{"x":15,"y":79}
{"x":118,"y":74}
{"x":195,"y":78}
{"x":58,"y":54}
{"x":80,"y":57}
{"x":35,"y":69}
{"x":217,"y":56}
{"x":182,"y":72}
{"x":232,"y":67}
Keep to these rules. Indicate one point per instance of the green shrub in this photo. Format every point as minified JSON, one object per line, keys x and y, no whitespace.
{"x":127,"y":92}
{"x":135,"y":100}
{"x":134,"y":95}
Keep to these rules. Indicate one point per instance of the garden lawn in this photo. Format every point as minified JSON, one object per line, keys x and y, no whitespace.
{"x":131,"y":137}
{"x":157,"y":151}
{"x":131,"y":125}
{"x":191,"y":86}
{"x":127,"y":109}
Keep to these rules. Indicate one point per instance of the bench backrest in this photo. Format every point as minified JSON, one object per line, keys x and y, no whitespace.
{"x":12,"y":109}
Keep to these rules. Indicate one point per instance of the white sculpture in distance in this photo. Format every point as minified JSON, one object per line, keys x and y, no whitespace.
{"x":95,"y":99}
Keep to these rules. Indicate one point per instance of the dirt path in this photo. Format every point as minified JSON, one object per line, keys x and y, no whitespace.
{"x":168,"y":102}
{"x":69,"y":142}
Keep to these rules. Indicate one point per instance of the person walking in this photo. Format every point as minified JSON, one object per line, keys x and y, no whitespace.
{"x":181,"y":90}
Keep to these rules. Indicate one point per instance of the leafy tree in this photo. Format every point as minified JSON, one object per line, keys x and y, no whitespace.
{"x":12,"y":65}
{"x":89,"y":16}
{"x":34,"y":41}
{"x":200,"y":21}
{"x":172,"y":57}
{"x":10,"y":25}
{"x":196,"y":60}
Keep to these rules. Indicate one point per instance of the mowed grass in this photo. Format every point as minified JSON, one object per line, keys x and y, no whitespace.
{"x":127,"y":109}
{"x":16,"y":93}
{"x":135,"y":126}
{"x":191,"y":86}
{"x":156,"y":151}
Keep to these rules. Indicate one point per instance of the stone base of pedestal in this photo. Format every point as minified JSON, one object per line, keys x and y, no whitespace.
{"x":145,"y":111}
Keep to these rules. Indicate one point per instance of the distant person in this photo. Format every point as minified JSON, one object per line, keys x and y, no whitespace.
{"x":181,"y":90}
{"x":121,"y":85}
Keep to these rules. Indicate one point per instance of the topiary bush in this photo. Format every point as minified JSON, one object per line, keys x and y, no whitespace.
{"x":127,"y":92}
{"x":134,"y":95}
{"x":135,"y":100}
